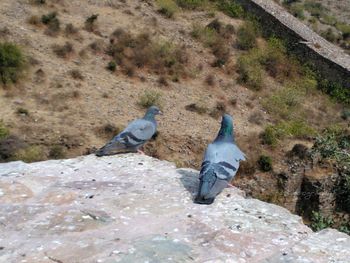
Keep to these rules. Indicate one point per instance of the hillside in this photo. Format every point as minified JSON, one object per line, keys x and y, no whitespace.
{"x":134,"y":208}
{"x":86,"y":77}
{"x":330,"y":19}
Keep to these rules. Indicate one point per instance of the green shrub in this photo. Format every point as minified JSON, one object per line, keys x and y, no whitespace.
{"x":112,"y":66}
{"x":11,"y":63}
{"x":345,"y":114}
{"x":231,"y":8}
{"x":319,"y":222}
{"x":191,"y":4}
{"x":335,"y":90}
{"x":47,"y":19}
{"x":344,"y":28}
{"x":246,"y":36}
{"x":315,"y":9}
{"x":250,"y":71}
{"x":330,"y":35}
{"x":265,"y":163}
{"x":4,"y":132}
{"x":150,"y":98}
{"x":30,"y":154}
{"x":208,"y":36}
{"x":292,"y":129}
{"x":283,"y":102}
{"x":297,"y":10}
{"x":167,"y":7}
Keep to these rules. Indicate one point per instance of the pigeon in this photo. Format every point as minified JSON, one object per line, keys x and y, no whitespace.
{"x":220,"y":163}
{"x":134,"y":136}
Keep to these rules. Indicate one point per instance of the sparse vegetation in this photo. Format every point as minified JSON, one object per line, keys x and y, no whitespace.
{"x":63,"y":51}
{"x":319,"y":222}
{"x":160,"y":57}
{"x":22,"y":111}
{"x":11,"y":63}
{"x":4,"y":132}
{"x":149,"y":98}
{"x":231,"y":8}
{"x":33,"y":153}
{"x":76,"y":74}
{"x":70,"y":29}
{"x":167,"y":7}
{"x":246,"y":36}
{"x":112,"y":66}
{"x":250,"y":71}
{"x":265,"y":163}
{"x":292,"y":129}
{"x":91,"y":23}
{"x":198,"y":107}
{"x":57,"y":152}
{"x":52,"y":23}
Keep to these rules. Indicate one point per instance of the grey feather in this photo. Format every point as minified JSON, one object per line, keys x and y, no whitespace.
{"x":220,"y":164}
{"x":134,"y":136}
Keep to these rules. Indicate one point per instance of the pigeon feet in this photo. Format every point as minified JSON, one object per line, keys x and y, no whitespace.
{"x":229,"y":185}
{"x":140,"y":152}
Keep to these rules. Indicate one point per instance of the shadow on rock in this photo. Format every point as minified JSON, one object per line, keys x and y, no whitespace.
{"x":190,"y":181}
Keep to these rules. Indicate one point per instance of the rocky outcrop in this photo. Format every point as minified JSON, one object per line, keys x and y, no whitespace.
{"x":133,"y":208}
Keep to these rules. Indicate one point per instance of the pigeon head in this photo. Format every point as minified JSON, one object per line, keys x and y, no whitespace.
{"x":152,"y":111}
{"x":226,"y":130}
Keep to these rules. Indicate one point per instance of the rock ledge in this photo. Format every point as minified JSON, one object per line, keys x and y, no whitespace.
{"x":133,"y":208}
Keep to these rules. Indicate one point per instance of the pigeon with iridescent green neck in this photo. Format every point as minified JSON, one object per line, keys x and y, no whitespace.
{"x":220,"y":163}
{"x":134,"y":136}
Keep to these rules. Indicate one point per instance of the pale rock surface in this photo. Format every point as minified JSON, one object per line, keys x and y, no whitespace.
{"x":133,"y":208}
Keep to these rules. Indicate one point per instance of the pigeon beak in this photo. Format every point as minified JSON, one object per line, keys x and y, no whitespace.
{"x":160,"y":112}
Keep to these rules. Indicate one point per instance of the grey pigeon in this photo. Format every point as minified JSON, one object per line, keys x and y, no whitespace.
{"x":134,"y":136}
{"x":220,"y":163}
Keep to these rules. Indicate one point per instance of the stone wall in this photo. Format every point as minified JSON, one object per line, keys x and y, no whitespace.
{"x":134,"y":208}
{"x":329,"y":60}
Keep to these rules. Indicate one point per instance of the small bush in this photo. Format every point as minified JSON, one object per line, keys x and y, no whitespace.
{"x":246,"y":36}
{"x":11,"y":63}
{"x":34,"y":20}
{"x":284,"y":102}
{"x":210,"y":80}
{"x":161,"y":57}
{"x":265,"y":163}
{"x":297,"y":10}
{"x":4,"y":132}
{"x":63,"y":51}
{"x":208,"y":36}
{"x":30,"y":154}
{"x":191,"y":4}
{"x":150,"y":98}
{"x":22,"y":111}
{"x":345,"y":114}
{"x":344,"y":28}
{"x":198,"y":107}
{"x":70,"y":29}
{"x":76,"y":74}
{"x":167,"y":7}
{"x":90,"y":23}
{"x":250,"y":71}
{"x":231,"y":8}
{"x":315,"y":9}
{"x":319,"y":222}
{"x":112,"y":66}
{"x":57,"y":152}
{"x":292,"y":129}
{"x":52,"y":23}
